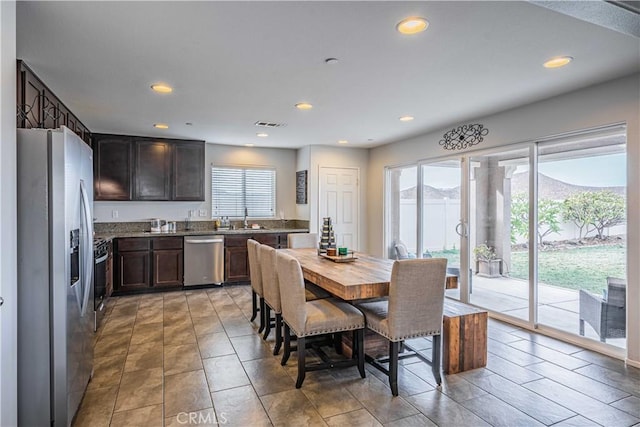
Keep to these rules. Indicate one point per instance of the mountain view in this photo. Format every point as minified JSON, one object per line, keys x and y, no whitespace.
{"x":548,"y":188}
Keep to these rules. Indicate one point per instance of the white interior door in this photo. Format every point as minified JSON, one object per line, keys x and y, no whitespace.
{"x":339,"y":199}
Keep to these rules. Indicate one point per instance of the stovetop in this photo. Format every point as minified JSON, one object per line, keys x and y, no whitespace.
{"x":99,"y":246}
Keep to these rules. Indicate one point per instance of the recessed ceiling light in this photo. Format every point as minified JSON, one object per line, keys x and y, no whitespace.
{"x":248,"y":145}
{"x":262,"y":135}
{"x":412,"y":25}
{"x":161,"y":126}
{"x":162,"y":88}
{"x":304,"y":106}
{"x":406,"y":118}
{"x":558,"y":61}
{"x":343,"y":141}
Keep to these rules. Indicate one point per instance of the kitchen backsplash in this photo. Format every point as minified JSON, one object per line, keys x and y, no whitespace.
{"x":138,"y":226}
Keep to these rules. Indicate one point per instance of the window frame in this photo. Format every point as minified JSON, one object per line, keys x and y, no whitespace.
{"x":217,"y":212}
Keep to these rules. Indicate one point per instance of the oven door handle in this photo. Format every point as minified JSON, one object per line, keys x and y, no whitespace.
{"x":102,"y":259}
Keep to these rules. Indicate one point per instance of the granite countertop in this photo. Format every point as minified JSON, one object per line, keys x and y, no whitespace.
{"x":114,"y":234}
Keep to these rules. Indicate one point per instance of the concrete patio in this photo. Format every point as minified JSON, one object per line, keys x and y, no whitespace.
{"x":557,"y":307}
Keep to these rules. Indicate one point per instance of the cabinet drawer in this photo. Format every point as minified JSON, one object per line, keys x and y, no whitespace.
{"x":133,"y":244}
{"x":236,"y":241}
{"x":267,"y":239}
{"x":167,"y":243}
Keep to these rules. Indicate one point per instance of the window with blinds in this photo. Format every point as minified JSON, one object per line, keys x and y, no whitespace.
{"x":233,"y":189}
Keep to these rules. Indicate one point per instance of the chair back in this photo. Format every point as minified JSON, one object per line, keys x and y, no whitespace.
{"x":616,"y":292}
{"x":416,"y":297}
{"x":401,"y":251}
{"x":302,"y":240}
{"x":254,"y":266}
{"x":270,"y":285}
{"x":292,"y":293}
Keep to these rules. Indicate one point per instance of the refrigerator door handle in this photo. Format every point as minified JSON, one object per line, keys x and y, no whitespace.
{"x":88,"y":249}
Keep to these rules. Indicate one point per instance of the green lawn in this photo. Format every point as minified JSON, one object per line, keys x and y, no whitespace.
{"x":576,"y":268}
{"x":579,"y":268}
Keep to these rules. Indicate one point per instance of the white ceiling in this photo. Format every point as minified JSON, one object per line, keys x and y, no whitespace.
{"x":235,"y":63}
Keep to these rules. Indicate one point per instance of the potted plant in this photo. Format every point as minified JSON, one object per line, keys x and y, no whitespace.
{"x":487,"y":262}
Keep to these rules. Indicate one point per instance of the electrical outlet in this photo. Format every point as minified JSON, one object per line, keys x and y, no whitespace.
{"x":192,"y":213}
{"x":203,"y":212}
{"x":114,"y":213}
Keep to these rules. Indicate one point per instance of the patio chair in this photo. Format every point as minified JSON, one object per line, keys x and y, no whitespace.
{"x":402,"y":252}
{"x":607,"y":314}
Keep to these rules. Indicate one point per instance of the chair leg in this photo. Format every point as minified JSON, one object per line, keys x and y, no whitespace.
{"x":359,"y":342}
{"x":301,"y":362}
{"x":435,"y":359}
{"x":262,"y":320}
{"x":267,"y":321}
{"x":394,"y":348}
{"x":276,"y":347}
{"x":337,"y":342}
{"x":254,"y":306}
{"x":287,"y":345}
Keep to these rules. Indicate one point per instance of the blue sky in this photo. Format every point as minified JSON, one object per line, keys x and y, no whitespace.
{"x":601,"y":171}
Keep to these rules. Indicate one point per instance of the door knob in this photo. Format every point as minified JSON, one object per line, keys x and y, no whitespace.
{"x":1,"y":301}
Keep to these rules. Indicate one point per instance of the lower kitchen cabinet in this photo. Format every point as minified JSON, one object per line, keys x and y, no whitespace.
{"x":168,"y":255}
{"x":236,"y":256}
{"x":148,"y":263}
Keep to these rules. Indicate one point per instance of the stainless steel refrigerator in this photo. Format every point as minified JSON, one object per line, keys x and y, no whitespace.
{"x":55,"y":275}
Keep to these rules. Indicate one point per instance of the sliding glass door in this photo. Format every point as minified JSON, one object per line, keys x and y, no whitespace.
{"x":535,"y":232}
{"x":581,"y":237}
{"x":441,"y":215}
{"x":499,"y":232}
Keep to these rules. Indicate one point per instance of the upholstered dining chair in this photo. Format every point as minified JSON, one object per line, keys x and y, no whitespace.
{"x":313,"y":318}
{"x":307,"y":241}
{"x":414,"y":309}
{"x":607,"y":315}
{"x":255,"y":274}
{"x":271,"y":290}
{"x":302,"y":240}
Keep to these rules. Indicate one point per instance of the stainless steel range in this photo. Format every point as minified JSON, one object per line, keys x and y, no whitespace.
{"x":101,"y":255}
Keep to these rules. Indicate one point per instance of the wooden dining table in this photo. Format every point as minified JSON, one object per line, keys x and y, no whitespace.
{"x":464,"y":333}
{"x":365,"y":277}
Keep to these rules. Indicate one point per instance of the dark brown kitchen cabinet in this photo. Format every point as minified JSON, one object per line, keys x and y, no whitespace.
{"x":152,"y":172}
{"x":133,"y":264}
{"x":188,"y":167}
{"x":112,"y":164}
{"x":157,"y":169}
{"x":39,"y":107}
{"x":148,"y":263}
{"x":236,"y":267}
{"x":168,"y":267}
{"x":236,"y":256}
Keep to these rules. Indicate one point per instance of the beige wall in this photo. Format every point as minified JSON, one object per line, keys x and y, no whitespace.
{"x":284,"y":160}
{"x":338,"y":157}
{"x":617,"y":101}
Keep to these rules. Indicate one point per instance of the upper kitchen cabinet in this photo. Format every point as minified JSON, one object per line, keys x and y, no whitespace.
{"x":151,"y":169}
{"x":152,"y":172}
{"x":112,"y":167}
{"x":38,"y":106}
{"x":188,"y":166}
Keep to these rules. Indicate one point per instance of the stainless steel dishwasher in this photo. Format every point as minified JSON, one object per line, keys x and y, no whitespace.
{"x":203,"y":260}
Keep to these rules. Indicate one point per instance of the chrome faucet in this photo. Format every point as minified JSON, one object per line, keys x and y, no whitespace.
{"x":246,"y":213}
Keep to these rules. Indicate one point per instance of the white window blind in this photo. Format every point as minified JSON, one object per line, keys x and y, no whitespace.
{"x":233,"y":189}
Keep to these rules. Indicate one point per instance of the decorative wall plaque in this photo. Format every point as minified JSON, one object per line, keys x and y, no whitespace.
{"x":463,"y":137}
{"x":301,"y":187}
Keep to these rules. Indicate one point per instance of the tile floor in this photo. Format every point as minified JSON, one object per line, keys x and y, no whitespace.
{"x":193,"y":358}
